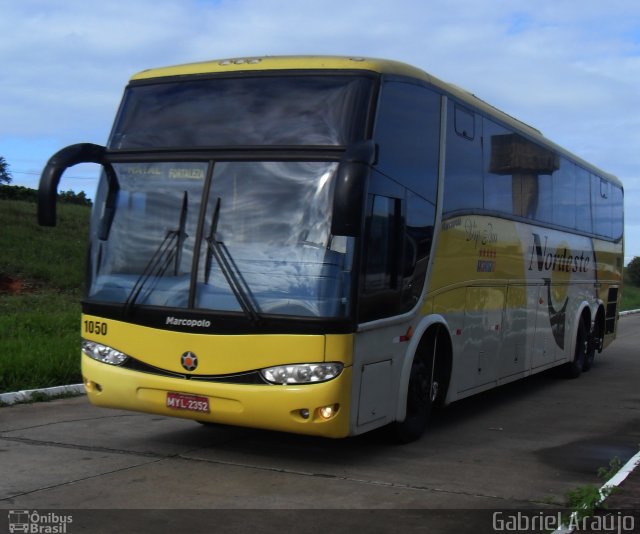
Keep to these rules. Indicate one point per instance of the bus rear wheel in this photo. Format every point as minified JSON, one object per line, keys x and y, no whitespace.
{"x":581,"y":355}
{"x":595,"y":342}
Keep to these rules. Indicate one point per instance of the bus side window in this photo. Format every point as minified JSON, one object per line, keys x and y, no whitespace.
{"x":618,"y":212}
{"x":407,"y":132}
{"x":564,"y":195}
{"x":382,"y":258}
{"x":583,"y":200}
{"x":602,"y":206}
{"x":518,"y":173}
{"x":463,"y":167}
{"x":502,"y":184}
{"x":464,"y":122}
{"x":418,"y":236}
{"x":381,"y":270}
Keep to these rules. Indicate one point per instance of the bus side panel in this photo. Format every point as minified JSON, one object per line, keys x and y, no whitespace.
{"x":515,"y":292}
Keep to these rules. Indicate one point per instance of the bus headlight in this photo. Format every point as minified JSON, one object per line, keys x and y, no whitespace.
{"x":102,"y":353}
{"x":303,"y":373}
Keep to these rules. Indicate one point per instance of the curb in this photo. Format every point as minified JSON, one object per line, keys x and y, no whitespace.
{"x":28,"y":394}
{"x":621,"y":475}
{"x":605,"y":489}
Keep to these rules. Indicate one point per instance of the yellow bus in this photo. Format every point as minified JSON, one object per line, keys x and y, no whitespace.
{"x":328,"y":245}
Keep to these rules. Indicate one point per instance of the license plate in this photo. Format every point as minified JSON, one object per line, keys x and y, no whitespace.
{"x":190,"y":403}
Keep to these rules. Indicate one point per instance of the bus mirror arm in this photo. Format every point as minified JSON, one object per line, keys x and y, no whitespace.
{"x":55,"y":167}
{"x":110,"y":203}
{"x":350,"y":186}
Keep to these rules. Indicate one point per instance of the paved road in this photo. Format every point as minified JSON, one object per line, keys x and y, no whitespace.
{"x":520,"y":447}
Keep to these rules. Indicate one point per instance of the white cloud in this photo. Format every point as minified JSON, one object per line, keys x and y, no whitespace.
{"x":570,"y":69}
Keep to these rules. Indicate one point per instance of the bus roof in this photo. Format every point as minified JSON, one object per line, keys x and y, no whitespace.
{"x":381,"y":66}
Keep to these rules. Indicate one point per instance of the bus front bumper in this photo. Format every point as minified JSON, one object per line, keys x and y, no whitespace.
{"x":320,"y":409}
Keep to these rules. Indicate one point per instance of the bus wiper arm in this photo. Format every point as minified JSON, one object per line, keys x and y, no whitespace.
{"x":169,"y":250}
{"x":182,"y":235}
{"x":238,"y":285}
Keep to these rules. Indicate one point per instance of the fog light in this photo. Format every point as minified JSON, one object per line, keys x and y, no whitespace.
{"x":327,"y":412}
{"x":304,"y":413}
{"x":90,"y":385}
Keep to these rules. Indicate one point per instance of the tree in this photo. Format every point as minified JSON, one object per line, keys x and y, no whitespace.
{"x":5,"y":175}
{"x":633,"y":271}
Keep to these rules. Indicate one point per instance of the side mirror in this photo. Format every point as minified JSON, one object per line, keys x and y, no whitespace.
{"x":50,"y":177}
{"x":350,"y":187}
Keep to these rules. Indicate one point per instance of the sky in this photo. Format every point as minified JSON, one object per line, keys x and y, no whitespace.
{"x":570,"y":68}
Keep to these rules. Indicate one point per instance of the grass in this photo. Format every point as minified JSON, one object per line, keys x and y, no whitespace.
{"x":584,"y":501}
{"x":48,"y":257}
{"x":39,"y":340}
{"x":630,"y":298}
{"x":39,"y":325}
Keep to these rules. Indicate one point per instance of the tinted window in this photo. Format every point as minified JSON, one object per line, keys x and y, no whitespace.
{"x":545,"y":208}
{"x":463,"y":167}
{"x":420,"y":216}
{"x":408,"y":135}
{"x":381,"y":263}
{"x":602,"y":206}
{"x":564,"y":194}
{"x":500,"y":149}
{"x":583,"y":199}
{"x":515,"y":171}
{"x":618,"y":211}
{"x":286,"y":110}
{"x":383,"y":254}
{"x":464,"y":122}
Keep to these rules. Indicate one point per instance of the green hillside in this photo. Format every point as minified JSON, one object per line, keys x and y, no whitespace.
{"x":41,"y":280}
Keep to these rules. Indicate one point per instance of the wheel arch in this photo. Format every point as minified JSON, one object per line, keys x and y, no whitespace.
{"x":429,"y":326}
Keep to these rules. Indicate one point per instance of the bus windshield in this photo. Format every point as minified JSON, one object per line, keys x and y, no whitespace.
{"x":245,"y":111}
{"x":262,"y":244}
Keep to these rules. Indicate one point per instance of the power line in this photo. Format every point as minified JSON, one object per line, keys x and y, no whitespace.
{"x":35,"y":173}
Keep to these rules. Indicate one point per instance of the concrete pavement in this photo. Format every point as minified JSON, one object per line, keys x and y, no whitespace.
{"x":521,"y":447}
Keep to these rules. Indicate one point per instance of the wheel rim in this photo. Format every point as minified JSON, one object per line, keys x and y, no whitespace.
{"x":435,"y":388}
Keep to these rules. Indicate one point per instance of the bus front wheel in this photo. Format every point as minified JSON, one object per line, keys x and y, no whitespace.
{"x":422,"y":393}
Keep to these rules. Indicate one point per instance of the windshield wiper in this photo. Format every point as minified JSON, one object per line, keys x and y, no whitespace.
{"x":238,"y":285}
{"x":169,"y":251}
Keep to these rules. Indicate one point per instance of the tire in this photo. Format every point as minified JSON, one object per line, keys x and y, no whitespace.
{"x":574,"y":368}
{"x":594,"y":344}
{"x":421,"y":395}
